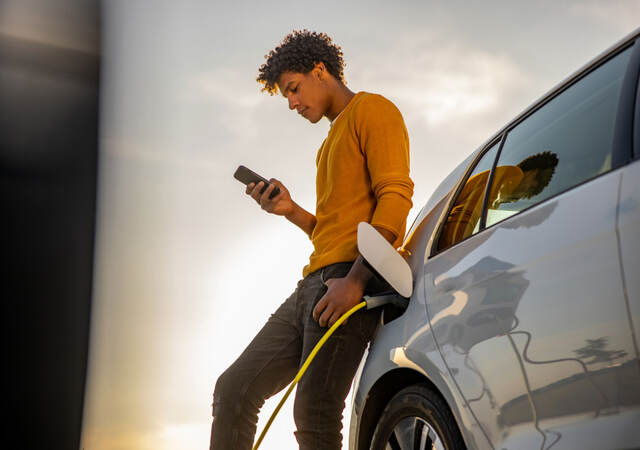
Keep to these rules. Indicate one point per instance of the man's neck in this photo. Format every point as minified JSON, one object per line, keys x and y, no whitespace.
{"x":341,"y":99}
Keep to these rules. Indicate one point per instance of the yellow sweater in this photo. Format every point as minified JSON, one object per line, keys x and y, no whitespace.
{"x":464,"y":218}
{"x":362,"y":175}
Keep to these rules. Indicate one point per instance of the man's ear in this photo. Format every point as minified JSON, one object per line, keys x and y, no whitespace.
{"x":320,"y":70}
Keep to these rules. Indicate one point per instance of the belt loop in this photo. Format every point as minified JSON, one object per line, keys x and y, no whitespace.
{"x":322,"y":275}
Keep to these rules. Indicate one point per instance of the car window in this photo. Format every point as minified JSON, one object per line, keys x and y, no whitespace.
{"x":464,"y":218}
{"x":564,"y":143}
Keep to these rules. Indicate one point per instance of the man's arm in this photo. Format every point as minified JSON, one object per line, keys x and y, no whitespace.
{"x":344,"y":293}
{"x":302,"y":218}
{"x":282,"y":205}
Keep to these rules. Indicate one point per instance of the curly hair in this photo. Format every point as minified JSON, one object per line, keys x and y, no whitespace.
{"x":546,"y":163}
{"x":299,"y":52}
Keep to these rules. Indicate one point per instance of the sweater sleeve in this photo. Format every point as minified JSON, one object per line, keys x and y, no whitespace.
{"x":385,"y":145}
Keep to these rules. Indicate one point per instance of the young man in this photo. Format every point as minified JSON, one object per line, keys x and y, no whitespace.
{"x":362,"y":175}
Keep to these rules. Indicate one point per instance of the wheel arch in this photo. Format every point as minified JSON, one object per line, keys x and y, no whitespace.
{"x":381,"y":393}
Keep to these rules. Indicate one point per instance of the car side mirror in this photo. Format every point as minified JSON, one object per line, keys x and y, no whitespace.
{"x":384,"y":259}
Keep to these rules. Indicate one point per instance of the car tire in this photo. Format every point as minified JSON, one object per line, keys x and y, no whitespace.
{"x":416,"y":418}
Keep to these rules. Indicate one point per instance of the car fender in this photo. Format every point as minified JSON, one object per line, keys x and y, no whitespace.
{"x":404,"y":352}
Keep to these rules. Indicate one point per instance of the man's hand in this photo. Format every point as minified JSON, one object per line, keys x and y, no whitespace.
{"x":342,"y":295}
{"x":345,"y":293}
{"x":280,"y":205}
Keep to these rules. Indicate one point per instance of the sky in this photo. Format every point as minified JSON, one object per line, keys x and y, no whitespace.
{"x":187,"y":267}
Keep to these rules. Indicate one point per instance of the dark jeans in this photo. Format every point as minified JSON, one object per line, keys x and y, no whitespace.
{"x":273,"y":358}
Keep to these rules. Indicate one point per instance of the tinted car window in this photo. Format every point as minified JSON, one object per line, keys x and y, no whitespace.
{"x":567,"y":141}
{"x":464,"y":218}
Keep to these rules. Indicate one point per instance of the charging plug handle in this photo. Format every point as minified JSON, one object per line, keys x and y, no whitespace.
{"x":381,"y":300}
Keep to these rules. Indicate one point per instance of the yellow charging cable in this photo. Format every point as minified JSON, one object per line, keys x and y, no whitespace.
{"x":304,"y":367}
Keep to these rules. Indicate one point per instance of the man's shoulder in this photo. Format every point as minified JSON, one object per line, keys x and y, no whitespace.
{"x":371,"y":98}
{"x":369,"y":101}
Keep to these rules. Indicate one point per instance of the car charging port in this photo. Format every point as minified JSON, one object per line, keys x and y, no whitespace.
{"x":393,"y":305}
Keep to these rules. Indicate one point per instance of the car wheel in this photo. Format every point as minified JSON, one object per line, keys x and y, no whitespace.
{"x":416,"y":418}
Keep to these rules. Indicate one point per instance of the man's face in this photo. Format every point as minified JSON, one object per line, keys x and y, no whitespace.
{"x":306,"y":92}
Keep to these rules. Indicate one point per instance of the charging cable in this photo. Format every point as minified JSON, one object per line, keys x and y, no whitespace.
{"x":369,"y":303}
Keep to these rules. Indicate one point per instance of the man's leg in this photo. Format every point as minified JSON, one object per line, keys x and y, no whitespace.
{"x":266,"y":366}
{"x":322,"y":390}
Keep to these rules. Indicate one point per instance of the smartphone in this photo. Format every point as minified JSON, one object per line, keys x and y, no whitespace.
{"x":248,"y":176}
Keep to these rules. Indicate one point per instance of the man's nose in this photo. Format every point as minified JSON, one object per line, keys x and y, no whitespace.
{"x":293,"y":103}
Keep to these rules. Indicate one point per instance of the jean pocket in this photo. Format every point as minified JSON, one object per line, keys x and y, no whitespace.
{"x":337,"y":270}
{"x":310,"y":298}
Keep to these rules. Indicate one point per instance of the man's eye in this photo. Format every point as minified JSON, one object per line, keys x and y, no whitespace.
{"x":294,"y":90}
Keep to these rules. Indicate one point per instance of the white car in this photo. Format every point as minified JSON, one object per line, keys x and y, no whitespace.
{"x":522,"y":331}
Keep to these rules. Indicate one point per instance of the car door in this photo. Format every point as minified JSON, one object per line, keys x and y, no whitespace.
{"x":525,"y":298}
{"x":629,"y":242}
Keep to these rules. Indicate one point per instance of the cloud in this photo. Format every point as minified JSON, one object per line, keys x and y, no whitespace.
{"x":622,"y":14}
{"x":229,"y":97}
{"x":441,"y":83}
{"x":228,"y":86}
{"x":457,"y":86}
